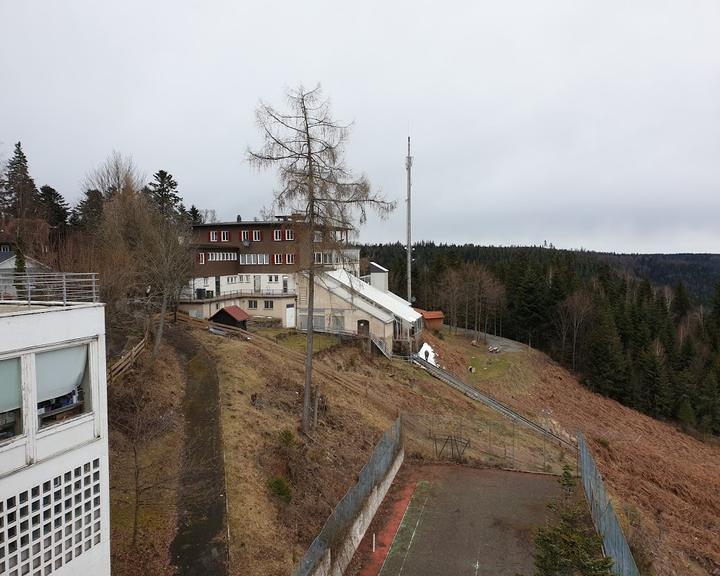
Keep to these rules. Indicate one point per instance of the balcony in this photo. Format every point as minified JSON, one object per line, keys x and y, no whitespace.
{"x":204,"y":295}
{"x":48,"y":288}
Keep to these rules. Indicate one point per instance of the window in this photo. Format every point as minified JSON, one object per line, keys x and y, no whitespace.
{"x":206,"y":281}
{"x":268,"y":304}
{"x":289,"y":234}
{"x":257,"y":235}
{"x":318,"y":257}
{"x":213,"y":235}
{"x":202,"y":257}
{"x":247,"y":278}
{"x":277,"y":235}
{"x":327,"y":257}
{"x":263,"y":259}
{"x":245,"y":235}
{"x":225,"y":236}
{"x":289,"y":258}
{"x":317,"y":236}
{"x":231,"y":279}
{"x":10,"y":399}
{"x":252,"y":304}
{"x":278,"y":258}
{"x":4,"y":247}
{"x":63,"y":384}
{"x":273,"y":278}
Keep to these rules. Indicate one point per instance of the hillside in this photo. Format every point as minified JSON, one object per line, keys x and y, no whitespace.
{"x":664,"y":481}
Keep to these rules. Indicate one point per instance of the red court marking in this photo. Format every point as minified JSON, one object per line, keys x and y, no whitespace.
{"x":395,"y":503}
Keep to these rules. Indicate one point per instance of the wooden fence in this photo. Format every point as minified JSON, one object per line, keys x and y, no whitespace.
{"x":127,"y":360}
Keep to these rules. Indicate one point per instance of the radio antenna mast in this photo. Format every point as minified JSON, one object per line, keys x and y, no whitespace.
{"x":408,"y":167}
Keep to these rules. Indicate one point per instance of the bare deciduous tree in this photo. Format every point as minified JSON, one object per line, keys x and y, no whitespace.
{"x":306,"y":146}
{"x":116,"y":174}
{"x":579,"y":305}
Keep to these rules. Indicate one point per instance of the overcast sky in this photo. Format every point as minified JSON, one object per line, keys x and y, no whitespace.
{"x":584,"y":123}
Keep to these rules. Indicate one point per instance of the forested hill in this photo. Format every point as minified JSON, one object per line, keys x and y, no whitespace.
{"x":630,"y":336}
{"x":698,"y":272}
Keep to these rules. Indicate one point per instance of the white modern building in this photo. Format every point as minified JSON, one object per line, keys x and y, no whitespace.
{"x":54,"y":479}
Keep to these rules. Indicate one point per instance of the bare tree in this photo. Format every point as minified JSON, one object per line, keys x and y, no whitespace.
{"x":579,"y":305}
{"x":116,"y":174}
{"x":306,"y":146}
{"x":563,"y":322}
{"x":140,"y":417}
{"x":166,"y":264}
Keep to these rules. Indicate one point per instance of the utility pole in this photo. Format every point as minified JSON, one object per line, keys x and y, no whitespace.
{"x":408,"y":167}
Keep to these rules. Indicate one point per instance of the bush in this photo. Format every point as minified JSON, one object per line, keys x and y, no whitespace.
{"x":281,"y":488}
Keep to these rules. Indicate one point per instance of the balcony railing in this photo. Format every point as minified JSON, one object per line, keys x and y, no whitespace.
{"x":49,"y":288}
{"x":200,"y":294}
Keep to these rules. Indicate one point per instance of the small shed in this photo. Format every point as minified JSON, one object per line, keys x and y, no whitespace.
{"x":432,"y":319}
{"x":231,"y":316}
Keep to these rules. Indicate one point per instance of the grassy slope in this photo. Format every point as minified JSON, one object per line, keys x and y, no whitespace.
{"x":364,"y":396}
{"x":666,"y":483}
{"x":161,"y":464}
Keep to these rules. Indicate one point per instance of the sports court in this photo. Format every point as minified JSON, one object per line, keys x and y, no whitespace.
{"x":454,"y":520}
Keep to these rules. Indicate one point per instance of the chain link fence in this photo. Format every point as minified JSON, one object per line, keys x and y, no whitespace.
{"x":603,"y":514}
{"x":335,"y":531}
{"x":493,"y":440}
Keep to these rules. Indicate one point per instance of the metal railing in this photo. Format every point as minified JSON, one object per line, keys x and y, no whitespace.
{"x":187,"y":294}
{"x":489,"y":401}
{"x":56,"y":288}
{"x":615,"y":544}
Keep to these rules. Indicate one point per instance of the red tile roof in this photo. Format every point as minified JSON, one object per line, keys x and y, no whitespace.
{"x":431,"y":314}
{"x":236,"y":312}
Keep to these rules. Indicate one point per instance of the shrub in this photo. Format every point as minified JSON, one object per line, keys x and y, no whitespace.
{"x":281,"y":488}
{"x":604,"y":442}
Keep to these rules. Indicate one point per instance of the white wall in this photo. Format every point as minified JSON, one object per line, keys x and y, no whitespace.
{"x":62,"y":471}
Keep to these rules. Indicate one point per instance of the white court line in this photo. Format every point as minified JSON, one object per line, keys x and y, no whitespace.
{"x":413,"y":536}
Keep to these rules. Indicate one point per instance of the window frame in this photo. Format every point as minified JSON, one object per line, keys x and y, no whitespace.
{"x":277,"y":259}
{"x":202,"y":258}
{"x":268,"y":305}
{"x":289,"y":234}
{"x":244,"y":235}
{"x":290,"y":258}
{"x":224,"y":236}
{"x":252,"y":305}
{"x":277,"y":235}
{"x":256,"y":236}
{"x":213,"y":236}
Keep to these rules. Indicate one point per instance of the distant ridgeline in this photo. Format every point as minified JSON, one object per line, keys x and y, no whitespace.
{"x":643,"y":329}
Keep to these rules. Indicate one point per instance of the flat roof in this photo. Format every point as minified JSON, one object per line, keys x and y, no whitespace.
{"x":18,"y":308}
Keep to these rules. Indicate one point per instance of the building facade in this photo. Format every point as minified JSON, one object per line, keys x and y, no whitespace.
{"x":254,"y":265}
{"x":54,"y":479}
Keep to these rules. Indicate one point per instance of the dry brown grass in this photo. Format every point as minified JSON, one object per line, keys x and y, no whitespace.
{"x":365,"y":394}
{"x":161,"y":459}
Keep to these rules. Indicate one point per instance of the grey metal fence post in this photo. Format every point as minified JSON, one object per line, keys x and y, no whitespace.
{"x":64,"y":289}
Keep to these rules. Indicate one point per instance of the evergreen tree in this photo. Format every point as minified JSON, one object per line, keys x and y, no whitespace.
{"x":20,"y":194}
{"x":53,"y":207}
{"x":162,"y":192}
{"x":606,"y":368}
{"x":681,"y":302}
{"x":88,"y":212}
{"x":530,"y":313}
{"x":568,"y":544}
{"x":195,"y":215}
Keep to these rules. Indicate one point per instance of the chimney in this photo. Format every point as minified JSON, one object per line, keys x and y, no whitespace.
{"x":378,"y":277}
{"x":238,"y":218}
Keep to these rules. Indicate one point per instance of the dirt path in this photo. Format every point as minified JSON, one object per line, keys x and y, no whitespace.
{"x":200,"y":545}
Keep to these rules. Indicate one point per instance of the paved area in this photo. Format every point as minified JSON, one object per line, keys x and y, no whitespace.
{"x":462,"y":521}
